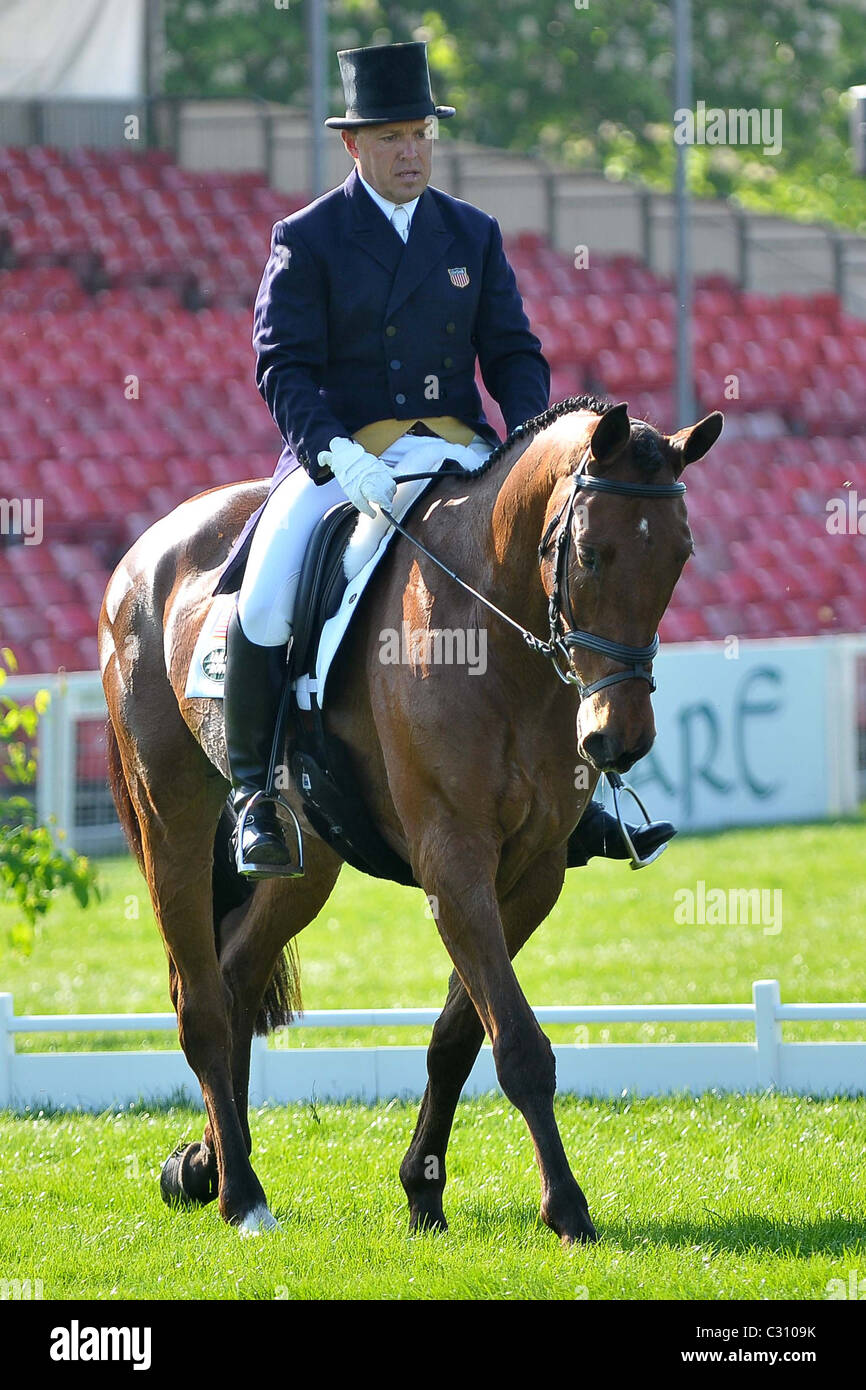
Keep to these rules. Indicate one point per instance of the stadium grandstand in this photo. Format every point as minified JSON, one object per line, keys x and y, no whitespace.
{"x":127,"y":385}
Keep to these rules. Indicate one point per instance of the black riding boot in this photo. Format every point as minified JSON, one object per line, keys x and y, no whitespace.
{"x":250,"y":711}
{"x":598,"y":833}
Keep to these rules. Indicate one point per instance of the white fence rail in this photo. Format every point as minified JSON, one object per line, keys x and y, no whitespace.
{"x":101,"y":1080}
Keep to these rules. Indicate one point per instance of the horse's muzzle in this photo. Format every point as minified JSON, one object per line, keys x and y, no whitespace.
{"x":608,"y":754}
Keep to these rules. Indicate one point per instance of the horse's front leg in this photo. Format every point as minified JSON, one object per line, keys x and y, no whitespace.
{"x":455,"y":1044}
{"x":457,"y":1037}
{"x":459,"y":870}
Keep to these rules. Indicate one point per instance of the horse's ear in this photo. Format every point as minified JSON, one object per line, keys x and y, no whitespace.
{"x":611,"y":433}
{"x":692,"y":443}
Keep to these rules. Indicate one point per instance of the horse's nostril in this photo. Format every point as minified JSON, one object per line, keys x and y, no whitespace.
{"x":601,"y":750}
{"x":609,"y":754}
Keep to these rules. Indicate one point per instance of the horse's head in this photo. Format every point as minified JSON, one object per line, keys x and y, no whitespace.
{"x":616,"y":539}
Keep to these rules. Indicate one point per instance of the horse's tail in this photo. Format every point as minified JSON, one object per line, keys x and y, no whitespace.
{"x":122,"y":800}
{"x":282,"y":998}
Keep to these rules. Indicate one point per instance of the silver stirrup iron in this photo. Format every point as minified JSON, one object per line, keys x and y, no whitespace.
{"x":251,"y":870}
{"x":617,"y":785}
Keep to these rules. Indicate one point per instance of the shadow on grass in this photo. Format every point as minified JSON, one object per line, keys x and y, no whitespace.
{"x":178,"y":1101}
{"x":741,"y":1234}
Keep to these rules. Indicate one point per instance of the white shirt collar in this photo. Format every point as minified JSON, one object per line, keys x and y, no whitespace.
{"x":388,"y":208}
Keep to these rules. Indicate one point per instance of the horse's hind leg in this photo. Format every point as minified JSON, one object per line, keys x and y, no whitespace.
{"x":178,"y":799}
{"x":251,"y":942}
{"x":203,"y":1011}
{"x":456,"y":1041}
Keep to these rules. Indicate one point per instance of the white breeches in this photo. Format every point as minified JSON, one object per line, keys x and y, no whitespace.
{"x":273,"y":568}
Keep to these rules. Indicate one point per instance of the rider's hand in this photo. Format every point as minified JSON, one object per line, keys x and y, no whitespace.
{"x":365,"y":479}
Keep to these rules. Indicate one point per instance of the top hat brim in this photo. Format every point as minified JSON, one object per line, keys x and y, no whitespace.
{"x":348,"y":122}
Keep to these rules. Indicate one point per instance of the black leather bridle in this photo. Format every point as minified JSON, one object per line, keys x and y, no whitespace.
{"x":563,"y":639}
{"x":559,"y":534}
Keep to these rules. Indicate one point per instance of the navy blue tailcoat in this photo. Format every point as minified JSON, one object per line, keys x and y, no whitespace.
{"x":353,"y":326}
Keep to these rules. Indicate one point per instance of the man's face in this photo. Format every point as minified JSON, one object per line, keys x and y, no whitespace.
{"x":395,"y":159}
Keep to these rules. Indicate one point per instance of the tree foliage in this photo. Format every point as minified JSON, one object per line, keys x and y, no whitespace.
{"x":586,"y":82}
{"x":33,"y":866}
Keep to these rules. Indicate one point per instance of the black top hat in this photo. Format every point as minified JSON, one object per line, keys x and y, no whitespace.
{"x":390,"y":82}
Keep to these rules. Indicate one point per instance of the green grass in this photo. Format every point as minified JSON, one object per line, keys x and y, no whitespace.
{"x":720,"y":1198}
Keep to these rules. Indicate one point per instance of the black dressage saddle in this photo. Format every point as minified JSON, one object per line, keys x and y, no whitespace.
{"x":320,"y":764}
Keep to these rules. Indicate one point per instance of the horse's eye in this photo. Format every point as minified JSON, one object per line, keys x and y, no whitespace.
{"x":587,"y":558}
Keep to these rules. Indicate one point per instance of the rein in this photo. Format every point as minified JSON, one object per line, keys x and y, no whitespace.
{"x":563,"y":639}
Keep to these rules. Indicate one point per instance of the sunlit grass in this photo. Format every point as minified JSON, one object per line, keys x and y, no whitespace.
{"x":717,"y":1198}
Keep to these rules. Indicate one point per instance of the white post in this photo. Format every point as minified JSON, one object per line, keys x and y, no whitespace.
{"x":841,"y":697}
{"x":55,"y":794}
{"x":258,"y":1092}
{"x":7,"y":1049}
{"x":767,"y":998}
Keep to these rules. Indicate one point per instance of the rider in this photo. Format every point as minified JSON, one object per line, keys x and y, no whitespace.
{"x":366,"y":337}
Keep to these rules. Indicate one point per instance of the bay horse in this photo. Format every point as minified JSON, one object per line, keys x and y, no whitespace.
{"x":471,"y":781}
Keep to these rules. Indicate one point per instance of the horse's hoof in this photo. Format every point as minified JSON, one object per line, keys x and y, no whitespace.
{"x":583,"y":1236}
{"x":257,"y":1222}
{"x":579,"y":1232}
{"x":574,"y":1227}
{"x":423,"y":1221}
{"x":181,"y":1185}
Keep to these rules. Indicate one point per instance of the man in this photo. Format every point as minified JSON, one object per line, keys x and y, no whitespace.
{"x":375,"y":302}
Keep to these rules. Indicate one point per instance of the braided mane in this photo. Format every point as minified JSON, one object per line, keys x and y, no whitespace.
{"x":531,"y":428}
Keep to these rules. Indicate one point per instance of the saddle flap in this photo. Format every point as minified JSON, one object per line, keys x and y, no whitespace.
{"x":322,"y":582}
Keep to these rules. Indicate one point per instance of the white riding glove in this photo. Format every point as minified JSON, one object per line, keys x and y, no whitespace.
{"x":365,"y":479}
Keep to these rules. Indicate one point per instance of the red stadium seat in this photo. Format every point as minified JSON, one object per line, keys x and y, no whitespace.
{"x":106,"y":466}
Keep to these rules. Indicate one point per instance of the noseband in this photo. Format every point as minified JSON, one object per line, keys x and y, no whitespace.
{"x":564,"y":638}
